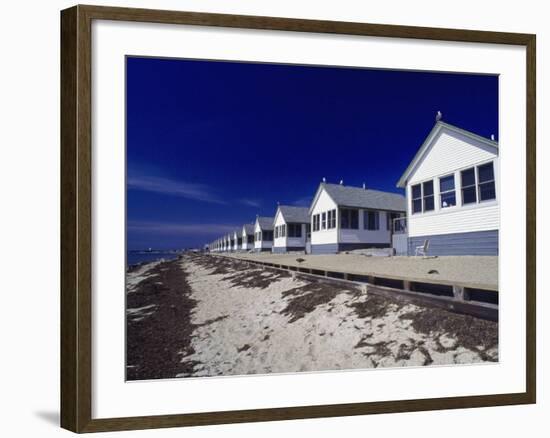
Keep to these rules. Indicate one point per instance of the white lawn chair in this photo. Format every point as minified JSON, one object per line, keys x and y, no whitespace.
{"x":422,"y":249}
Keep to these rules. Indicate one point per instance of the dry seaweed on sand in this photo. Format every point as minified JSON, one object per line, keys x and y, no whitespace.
{"x":239,"y":273}
{"x":470,"y":332}
{"x":256,"y":278}
{"x":374,"y":307}
{"x":248,"y":319}
{"x":154,"y":343}
{"x":305,"y":299}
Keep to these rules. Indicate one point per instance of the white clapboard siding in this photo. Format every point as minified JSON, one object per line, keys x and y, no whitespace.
{"x":323,"y":203}
{"x":257,"y":243}
{"x":279,"y":242}
{"x":450,"y":151}
{"x":287,"y":242}
{"x":481,"y":218}
{"x":261,"y":244}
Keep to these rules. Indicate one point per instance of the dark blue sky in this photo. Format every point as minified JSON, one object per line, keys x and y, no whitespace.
{"x":212,"y":144}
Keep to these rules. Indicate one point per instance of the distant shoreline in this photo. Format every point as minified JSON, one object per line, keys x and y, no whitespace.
{"x":137,"y":259}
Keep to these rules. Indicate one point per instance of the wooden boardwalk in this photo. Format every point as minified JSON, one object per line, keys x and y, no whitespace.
{"x":465,"y":297}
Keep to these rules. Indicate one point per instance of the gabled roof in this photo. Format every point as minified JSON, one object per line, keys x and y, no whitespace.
{"x":249,"y":228}
{"x":438,"y":127}
{"x":292,"y":214}
{"x":266,"y":223}
{"x":346,"y":196}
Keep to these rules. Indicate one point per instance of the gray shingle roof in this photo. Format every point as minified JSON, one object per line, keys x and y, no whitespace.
{"x":365,"y":198}
{"x":266,"y":223}
{"x":249,"y":228}
{"x":294,"y":214}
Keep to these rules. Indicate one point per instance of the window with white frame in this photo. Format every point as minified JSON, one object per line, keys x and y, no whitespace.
{"x":349,"y":219}
{"x":371,"y":220}
{"x":447,"y":195}
{"x":422,"y":197}
{"x":324,"y":221}
{"x":416,"y":198}
{"x":478,"y":184}
{"x":294,"y":230}
{"x":428,"y":195}
{"x":486,"y":182}
{"x":331,"y":219}
{"x":315,"y":222}
{"x":468,"y":186}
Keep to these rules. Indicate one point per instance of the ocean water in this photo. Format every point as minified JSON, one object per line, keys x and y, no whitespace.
{"x":135,"y":257}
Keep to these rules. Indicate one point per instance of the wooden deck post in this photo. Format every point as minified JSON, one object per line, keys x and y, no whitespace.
{"x":460,"y":294}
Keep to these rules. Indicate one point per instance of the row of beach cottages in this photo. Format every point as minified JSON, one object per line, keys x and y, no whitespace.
{"x":451,"y":202}
{"x":340,"y":218}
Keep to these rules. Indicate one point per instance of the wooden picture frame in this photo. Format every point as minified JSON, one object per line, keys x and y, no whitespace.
{"x":76,"y":218}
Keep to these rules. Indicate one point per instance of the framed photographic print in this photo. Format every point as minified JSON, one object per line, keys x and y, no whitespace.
{"x":269,"y":218}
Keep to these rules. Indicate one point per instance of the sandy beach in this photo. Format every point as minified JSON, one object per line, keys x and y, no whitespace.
{"x":209,"y":316}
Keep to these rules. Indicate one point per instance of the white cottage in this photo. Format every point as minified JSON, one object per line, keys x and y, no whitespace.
{"x":345,"y":218}
{"x":452,"y":193}
{"x":263,"y":233}
{"x":227,"y":243}
{"x":291,"y":226}
{"x":238,"y":239}
{"x":247,"y":237}
{"x":232,"y":242}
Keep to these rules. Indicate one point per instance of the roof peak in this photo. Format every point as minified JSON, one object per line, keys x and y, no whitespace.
{"x":430,"y":138}
{"x":292,"y":206}
{"x":366,"y":189}
{"x":363,"y":198}
{"x":465,"y":131}
{"x":294,"y":213}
